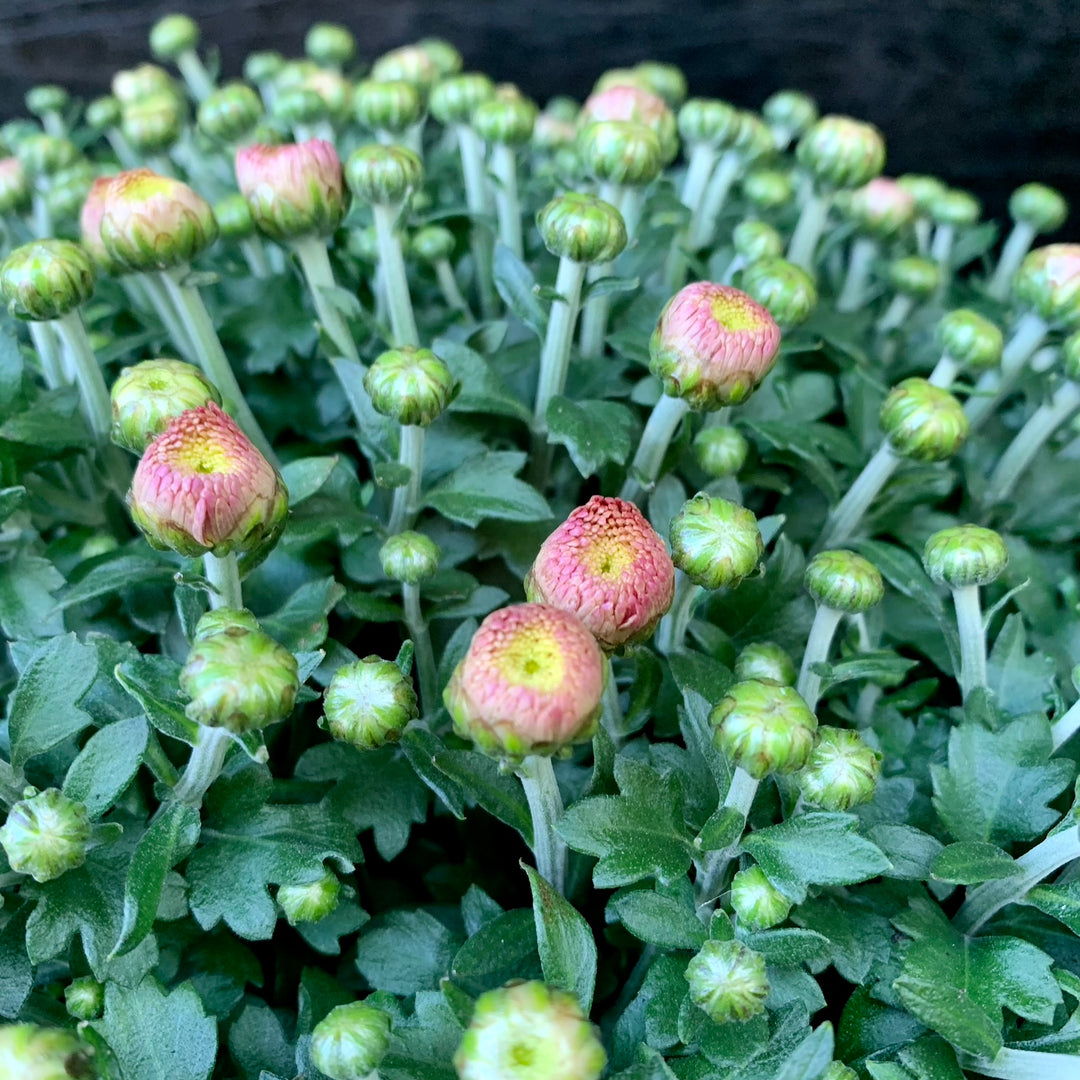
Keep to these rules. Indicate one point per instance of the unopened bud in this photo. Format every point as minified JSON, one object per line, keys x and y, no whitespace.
{"x":970,"y":339}
{"x":350,"y":1041}
{"x":15,"y":194}
{"x":84,"y":998}
{"x":708,"y":122}
{"x":263,"y":67}
{"x":46,"y":835}
{"x":765,"y":661}
{"x":148,"y":396}
{"x":445,"y":57}
{"x":28,"y":1052}
{"x":68,"y":190}
{"x":145,"y":80}
{"x":965,"y":555}
{"x":505,"y":120}
{"x":388,"y":106}
{"x":720,"y":451}
{"x":234,"y":219}
{"x":383,"y":175}
{"x":714,"y":542}
{"x":957,"y":208}
{"x":914,"y":276}
{"x":230,"y":112}
{"x":756,"y":240}
{"x":758,"y":903}
{"x":310,"y":902}
{"x":411,"y":64}
{"x":299,"y":106}
{"x":329,"y":43}
{"x":1041,"y":207}
{"x":638,"y":105}
{"x":582,"y":228}
{"x":923,"y":189}
{"x":46,"y":155}
{"x":46,"y":279}
{"x":790,"y":110}
{"x":41,"y":100}
{"x":455,"y":98}
{"x":103,"y":113}
{"x":368,"y":703}
{"x":841,"y":152}
{"x":728,"y":981}
{"x":785,"y":290}
{"x":666,"y":81}
{"x":837,"y":1070}
{"x":767,"y":189}
{"x":923,"y":422}
{"x":410,"y":385}
{"x":173,"y":35}
{"x":841,"y":771}
{"x":409,"y":557}
{"x":1049,"y":281}
{"x":432,"y":243}
{"x":844,"y":581}
{"x":764,"y":728}
{"x":882,"y":207}
{"x":153,"y":123}
{"x":620,"y":152}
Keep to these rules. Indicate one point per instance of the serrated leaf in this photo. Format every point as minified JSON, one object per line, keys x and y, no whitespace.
{"x":404,"y":952}
{"x":106,"y":764}
{"x":659,"y":920}
{"x":486,"y":487}
{"x":153,"y":681}
{"x":593,"y":432}
{"x":16,"y":971}
{"x":301,"y":622}
{"x":1061,"y":902}
{"x":972,"y":861}
{"x":502,"y":949}
{"x":811,"y":1059}
{"x":27,"y":608}
{"x":11,"y":498}
{"x":482,"y":390}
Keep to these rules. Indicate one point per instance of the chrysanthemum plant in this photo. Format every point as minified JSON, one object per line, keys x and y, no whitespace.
{"x":521,"y":593}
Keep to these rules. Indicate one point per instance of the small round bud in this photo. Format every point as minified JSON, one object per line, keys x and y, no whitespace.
{"x":15,"y":132}
{"x":230,"y":112}
{"x":383,"y":175}
{"x":103,"y":113}
{"x":923,"y":189}
{"x":529,"y":1031}
{"x":41,"y":100}
{"x":409,"y":557}
{"x":582,"y":228}
{"x":715,"y":543}
{"x":28,"y":1052}
{"x":882,"y":207}
{"x":15,"y":194}
{"x":791,"y":111}
{"x":609,"y":567}
{"x":708,"y":121}
{"x":1070,"y":356}
{"x":1039,"y":206}
{"x":757,"y":902}
{"x":619,"y":77}
{"x":455,"y":98}
{"x":152,"y":222}
{"x":294,"y":73}
{"x":720,"y":451}
{"x":755,"y":240}
{"x":505,"y":120}
{"x":350,"y":1041}
{"x":666,"y":81}
{"x":552,"y":133}
{"x":238,"y":678}
{"x":152,"y":124}
{"x":46,"y":155}
{"x":753,"y":139}
{"x":765,"y":661}
{"x":388,"y":106}
{"x":334,"y":91}
{"x":93,"y":210}
{"x":46,"y":279}
{"x":785,"y":290}
{"x":914,"y":276}
{"x":530,"y":683}
{"x":148,"y":396}
{"x":841,"y":772}
{"x":764,"y":728}
{"x":1049,"y":281}
{"x":296,"y":106}
{"x":965,"y":555}
{"x":955,"y":207}
{"x":68,"y":190}
{"x":411,"y":64}
{"x":368,"y":703}
{"x":767,"y":189}
{"x":412,"y":386}
{"x":295,"y":190}
{"x":329,"y":43}
{"x":265,"y":66}
{"x":637,"y":105}
{"x":970,"y":339}
{"x":923,"y":422}
{"x":221,"y":620}
{"x":620,"y":152}
{"x":841,"y":152}
{"x":728,"y":981}
{"x":713,"y":345}
{"x":432,"y":243}
{"x":445,"y":57}
{"x":46,"y":835}
{"x":844,"y":581}
{"x":84,"y":998}
{"x":311,"y":902}
{"x":202,"y":486}
{"x":234,"y":219}
{"x":145,"y":80}
{"x":173,"y":35}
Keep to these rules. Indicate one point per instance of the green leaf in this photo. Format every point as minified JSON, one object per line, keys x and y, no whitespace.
{"x":51,"y":423}
{"x":788,"y":947}
{"x":594,"y":432}
{"x":498,"y":792}
{"x":301,"y":622}
{"x":27,"y":607}
{"x":1061,"y":902}
{"x":44,"y":707}
{"x":609,"y":286}
{"x":403,"y":952}
{"x":11,"y":498}
{"x":972,"y":861}
{"x":858,"y":939}
{"x":486,"y":487}
{"x":931,"y":1058}
{"x":482,"y":391}
{"x":659,"y":920}
{"x":258,"y":1044}
{"x":515,"y":283}
{"x":16,"y":971}
{"x":106,"y":764}
{"x":110,"y":576}
{"x":153,"y":681}
{"x":883,"y":668}
{"x":811,"y":1058}
{"x":564,"y":940}
{"x":159,"y":1036}
{"x":910,"y":851}
{"x":502,"y":949}
{"x":305,"y":476}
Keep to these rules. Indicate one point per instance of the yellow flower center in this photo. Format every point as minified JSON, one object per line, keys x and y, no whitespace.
{"x":204,"y":458}
{"x":732,"y":314}
{"x":532,"y":658}
{"x":607,"y":559}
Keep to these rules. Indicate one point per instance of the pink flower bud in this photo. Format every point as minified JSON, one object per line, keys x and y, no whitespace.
{"x":607,"y":565}
{"x":202,"y":486}
{"x":293,"y":190}
{"x":633,"y":103}
{"x":14,"y":186}
{"x":713,"y":345}
{"x":882,"y":207}
{"x":93,"y":210}
{"x":530,"y":683}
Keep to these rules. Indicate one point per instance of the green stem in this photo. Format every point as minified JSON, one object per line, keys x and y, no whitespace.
{"x":223,"y":573}
{"x":125,"y":155}
{"x":699,"y":169}
{"x":740,"y":797}
{"x":703,"y":225}
{"x":80,"y":353}
{"x":254,"y":252}
{"x":845,"y":518}
{"x":161,"y":302}
{"x":826,"y":620}
{"x":663,"y":422}
{"x":406,"y":503}
{"x":402,"y":321}
{"x":969,"y":624}
{"x":612,"y":718}
{"x":1027,"y":335}
{"x":852,"y":296}
{"x":924,"y":228}
{"x":808,"y":229}
{"x":41,"y":219}
{"x":942,"y":247}
{"x":314,"y":262}
{"x":900,"y":307}
{"x":1065,"y":726}
{"x":546,"y":807}
{"x":1009,"y":1064}
{"x":444,"y":274}
{"x":507,"y":204}
{"x":158,"y":761}
{"x":422,"y":651}
{"x":195,"y":75}
{"x":47,"y":347}
{"x":204,"y":765}
{"x":471,"y":149}
{"x":1012,"y":255}
{"x":673,"y":626}
{"x":944,"y":373}
{"x":54,"y":125}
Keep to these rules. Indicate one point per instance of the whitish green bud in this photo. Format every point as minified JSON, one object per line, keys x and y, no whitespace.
{"x":844,"y":581}
{"x":765,"y":661}
{"x":412,"y":386}
{"x":755,"y":240}
{"x":143,"y":81}
{"x":785,"y":290}
{"x":914,"y":276}
{"x":1070,"y":356}
{"x":728,"y":981}
{"x":841,"y":772}
{"x":147,"y":396}
{"x":46,"y":155}
{"x":432,"y":243}
{"x":239,"y":679}
{"x":445,"y":57}
{"x":329,"y":43}
{"x":714,"y":542}
{"x":965,"y":555}
{"x":28,"y":1052}
{"x":230,"y":112}
{"x":720,"y":451}
{"x":666,"y":81}
{"x":837,"y":1070}
{"x":507,"y":120}
{"x":260,"y":67}
{"x":350,"y":1041}
{"x":841,"y":152}
{"x":412,"y":64}
{"x":173,"y":35}
{"x":223,"y":619}
{"x":393,"y":106}
{"x":455,"y":98}
{"x":409,"y":557}
{"x":46,"y":835}
{"x":68,"y":191}
{"x":768,"y":189}
{"x":757,"y":902}
{"x":551,"y":133}
{"x":955,"y":207}
{"x":103,"y":113}
{"x":46,"y":279}
{"x":335,"y":91}
{"x":84,"y":998}
{"x":152,"y":124}
{"x":368,"y":703}
{"x":582,"y":228}
{"x":41,"y":100}
{"x":620,"y":152}
{"x":1049,"y":281}
{"x":970,"y":339}
{"x":708,"y":121}
{"x":1039,"y":206}
{"x":383,"y":175}
{"x":295,"y":106}
{"x":311,"y":902}
{"x":753,"y":138}
{"x":234,"y":219}
{"x":923,"y":422}
{"x":923,"y":189}
{"x":529,"y":1031}
{"x":764,"y":728}
{"x":881,"y":208}
{"x":790,"y":110}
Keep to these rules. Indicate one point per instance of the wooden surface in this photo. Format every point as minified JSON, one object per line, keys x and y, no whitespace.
{"x":984,"y":92}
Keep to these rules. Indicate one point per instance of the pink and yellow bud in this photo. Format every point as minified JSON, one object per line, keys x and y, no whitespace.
{"x":90,"y":217}
{"x":530,"y":683}
{"x":1049,"y":281}
{"x":609,"y":567}
{"x":636,"y":104}
{"x":14,"y":187}
{"x":882,"y":207}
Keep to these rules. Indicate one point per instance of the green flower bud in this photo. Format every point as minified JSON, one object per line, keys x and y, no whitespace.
{"x":881,"y":208}
{"x":791,"y":111}
{"x":708,"y":121}
{"x":841,"y":152}
{"x":620,"y":152}
{"x":666,"y":81}
{"x":46,"y":835}
{"x":504,"y":120}
{"x":84,"y":998}
{"x":755,"y":240}
{"x":46,"y":279}
{"x":757,"y":902}
{"x":221,"y":620}
{"x":1049,"y":281}
{"x":970,"y":339}
{"x":15,"y":194}
{"x":923,"y":189}
{"x":582,"y":228}
{"x":234,"y":219}
{"x":173,"y":35}
{"x":551,"y":133}
{"x":955,"y":207}
{"x":837,"y":1070}
{"x":334,"y":91}
{"x":409,"y":557}
{"x":152,"y":124}
{"x":753,"y":138}
{"x":965,"y":555}
{"x":46,"y":155}
{"x":68,"y":190}
{"x":720,"y":451}
{"x":785,"y":290}
{"x":410,"y":385}
{"x":1041,"y":207}
{"x":454,"y":99}
{"x":28,"y":1052}
{"x":299,"y":105}
{"x":350,"y":1041}
{"x":145,"y":80}
{"x":1070,"y":356}
{"x":260,"y":67}
{"x":841,"y":772}
{"x":714,"y":542}
{"x":46,"y":99}
{"x":432,"y":243}
{"x":767,"y":189}
{"x":728,"y":981}
{"x":103,"y":113}
{"x":393,"y":106}
{"x":923,"y":422}
{"x":329,"y":43}
{"x":311,"y":902}
{"x":914,"y":276}
{"x":15,"y":132}
{"x":383,"y":175}
{"x":619,"y":77}
{"x":368,"y":703}
{"x":239,"y":679}
{"x":765,"y":661}
{"x":146,"y":397}
{"x":764,"y":728}
{"x":230,"y":112}
{"x":844,"y":581}
{"x":294,"y":73}
{"x":411,"y":64}
{"x":529,"y":1031}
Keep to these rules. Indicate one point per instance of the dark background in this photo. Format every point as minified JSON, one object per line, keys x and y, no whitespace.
{"x":983,"y":92}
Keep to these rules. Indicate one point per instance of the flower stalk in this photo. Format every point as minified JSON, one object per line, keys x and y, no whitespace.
{"x":546,"y":808}
{"x":402,"y":320}
{"x":315,"y":265}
